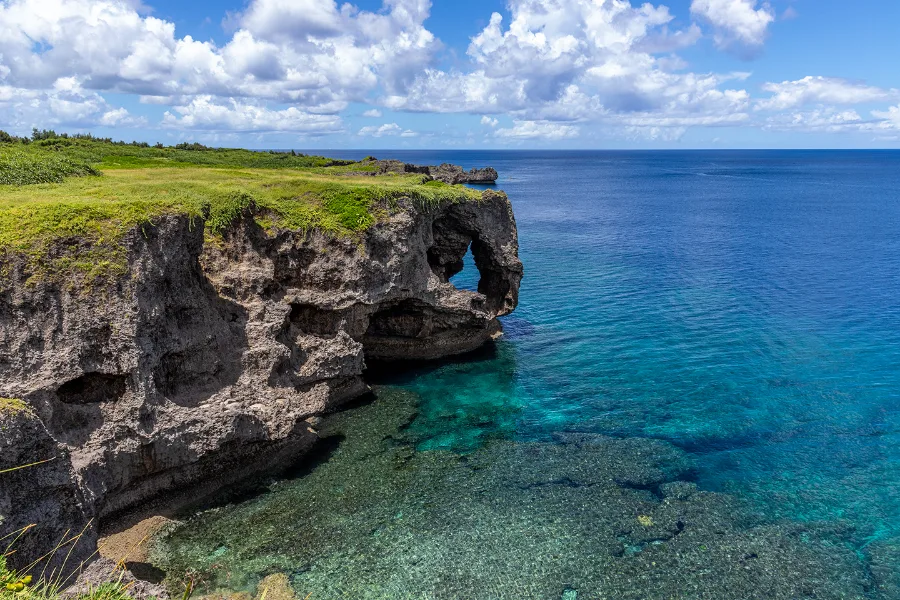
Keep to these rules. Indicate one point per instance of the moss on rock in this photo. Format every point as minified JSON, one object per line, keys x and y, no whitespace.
{"x":12,"y":405}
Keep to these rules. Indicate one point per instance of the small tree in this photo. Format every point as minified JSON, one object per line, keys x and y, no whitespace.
{"x":45,"y":134}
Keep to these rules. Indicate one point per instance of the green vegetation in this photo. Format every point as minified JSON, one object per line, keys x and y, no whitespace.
{"x":25,"y":168}
{"x":15,"y":586}
{"x":67,"y":202}
{"x":12,"y":405}
{"x":10,"y":581}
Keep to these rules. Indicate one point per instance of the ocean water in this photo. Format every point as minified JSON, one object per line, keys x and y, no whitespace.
{"x":735,"y":314}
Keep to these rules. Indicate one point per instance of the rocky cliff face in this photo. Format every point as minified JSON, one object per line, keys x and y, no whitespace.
{"x":452,"y":174}
{"x":210,"y":359}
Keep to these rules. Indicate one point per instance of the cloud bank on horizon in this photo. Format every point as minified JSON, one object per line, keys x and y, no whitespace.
{"x":554,"y":73}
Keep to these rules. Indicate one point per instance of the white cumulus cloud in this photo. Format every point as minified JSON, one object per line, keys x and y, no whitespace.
{"x":576,"y":62}
{"x":826,"y":119}
{"x":824,"y":90}
{"x":533,"y":130}
{"x":207,"y":113}
{"x":388,"y":129}
{"x":65,"y":104}
{"x":308,"y":53}
{"x":890,"y":117}
{"x":556,"y":69}
{"x":744,"y":22}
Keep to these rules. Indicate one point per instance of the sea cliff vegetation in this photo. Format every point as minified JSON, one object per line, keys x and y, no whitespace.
{"x":11,"y":405}
{"x":80,"y":195}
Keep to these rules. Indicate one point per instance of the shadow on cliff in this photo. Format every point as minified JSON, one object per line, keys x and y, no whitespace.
{"x":204,"y":334}
{"x":249,"y":489}
{"x":380,"y":372}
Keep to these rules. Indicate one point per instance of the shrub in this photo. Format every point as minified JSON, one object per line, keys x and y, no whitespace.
{"x":45,"y":134}
{"x":20,"y":168}
{"x":194,"y":146}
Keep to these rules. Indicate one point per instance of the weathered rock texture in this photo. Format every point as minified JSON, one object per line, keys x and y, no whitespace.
{"x":205,"y":363}
{"x":44,"y":495}
{"x":452,"y":174}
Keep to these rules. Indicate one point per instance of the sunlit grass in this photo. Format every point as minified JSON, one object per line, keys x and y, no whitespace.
{"x":90,"y":213}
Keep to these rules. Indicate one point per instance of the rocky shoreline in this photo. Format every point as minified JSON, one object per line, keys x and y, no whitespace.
{"x":209,"y":361}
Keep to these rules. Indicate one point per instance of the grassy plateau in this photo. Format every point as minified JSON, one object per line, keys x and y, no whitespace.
{"x":86,"y":194}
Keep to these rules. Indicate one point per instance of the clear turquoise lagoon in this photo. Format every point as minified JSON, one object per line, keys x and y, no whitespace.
{"x":698,"y":397}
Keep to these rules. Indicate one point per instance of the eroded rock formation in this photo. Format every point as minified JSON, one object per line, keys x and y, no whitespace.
{"x":210,"y":359}
{"x":455,"y":174}
{"x":446,"y":172}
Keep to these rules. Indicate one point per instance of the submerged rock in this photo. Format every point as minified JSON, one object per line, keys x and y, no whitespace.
{"x":597,"y":516}
{"x":201,"y":366}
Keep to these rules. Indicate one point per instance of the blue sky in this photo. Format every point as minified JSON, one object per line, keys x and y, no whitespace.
{"x":461,"y":74}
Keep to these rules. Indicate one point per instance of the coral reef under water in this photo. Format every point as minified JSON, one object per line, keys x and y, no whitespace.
{"x":583,"y":516}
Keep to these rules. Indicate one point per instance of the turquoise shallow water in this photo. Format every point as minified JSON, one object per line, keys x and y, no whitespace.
{"x":743,"y":307}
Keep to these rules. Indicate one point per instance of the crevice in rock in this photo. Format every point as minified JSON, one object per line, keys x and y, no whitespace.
{"x":93,"y":388}
{"x":412,"y":329}
{"x":187,"y":377}
{"x":311,"y":319}
{"x":409,"y":318}
{"x":77,"y":414}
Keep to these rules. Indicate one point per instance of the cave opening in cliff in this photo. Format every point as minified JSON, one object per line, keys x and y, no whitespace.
{"x":409,"y":318}
{"x":492,"y":282}
{"x":93,"y":388}
{"x":458,"y":256}
{"x":311,"y":319}
{"x":468,"y":277}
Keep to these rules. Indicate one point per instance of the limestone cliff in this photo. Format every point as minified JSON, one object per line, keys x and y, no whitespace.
{"x":207,"y":361}
{"x":447,"y":173}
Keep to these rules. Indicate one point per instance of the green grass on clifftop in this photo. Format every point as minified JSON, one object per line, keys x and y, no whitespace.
{"x":86,"y":194}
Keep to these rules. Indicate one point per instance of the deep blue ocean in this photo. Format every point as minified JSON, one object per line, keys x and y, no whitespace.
{"x":741,"y":305}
